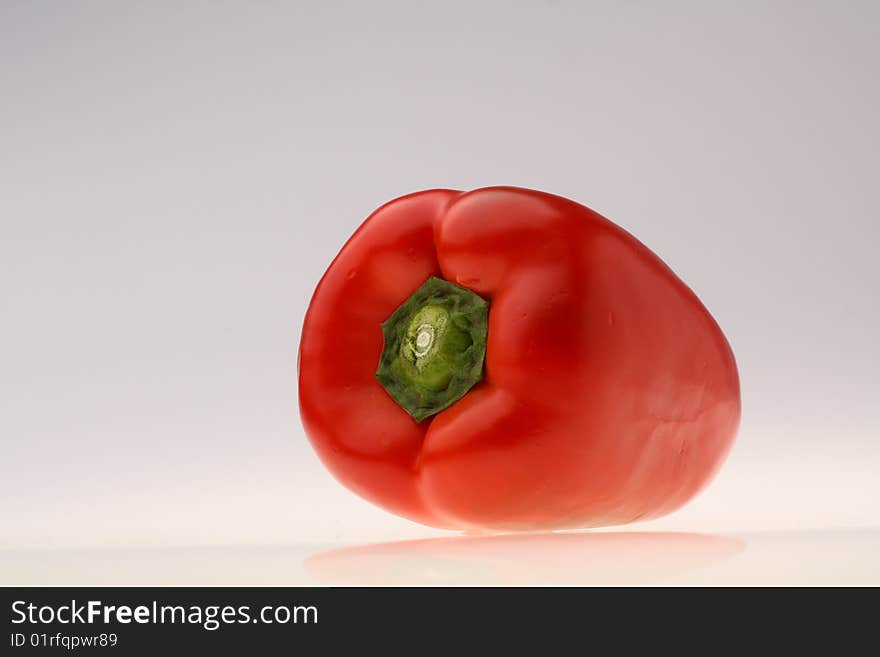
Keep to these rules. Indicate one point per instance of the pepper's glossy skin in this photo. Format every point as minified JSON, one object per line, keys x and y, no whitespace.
{"x":610,"y":394}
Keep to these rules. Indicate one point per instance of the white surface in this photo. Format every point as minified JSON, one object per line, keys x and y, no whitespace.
{"x":175,"y":177}
{"x":817,"y":558}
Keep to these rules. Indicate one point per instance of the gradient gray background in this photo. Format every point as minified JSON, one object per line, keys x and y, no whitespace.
{"x":175,"y":178}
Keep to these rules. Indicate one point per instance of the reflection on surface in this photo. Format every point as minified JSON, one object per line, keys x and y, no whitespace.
{"x":814,"y":557}
{"x":524,"y":559}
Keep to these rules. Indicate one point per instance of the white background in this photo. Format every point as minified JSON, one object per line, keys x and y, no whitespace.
{"x":175,"y":178}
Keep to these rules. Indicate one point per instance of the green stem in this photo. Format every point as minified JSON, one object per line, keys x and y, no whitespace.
{"x":435,"y":344}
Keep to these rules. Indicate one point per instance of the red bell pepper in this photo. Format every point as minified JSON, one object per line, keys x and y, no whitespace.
{"x":509,"y":359}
